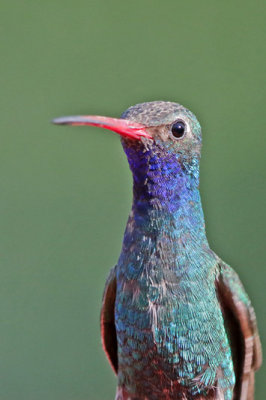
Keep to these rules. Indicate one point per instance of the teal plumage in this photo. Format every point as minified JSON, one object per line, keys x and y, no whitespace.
{"x":176,"y":321}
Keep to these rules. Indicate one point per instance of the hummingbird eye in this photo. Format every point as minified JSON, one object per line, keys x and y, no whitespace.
{"x":178,"y":129}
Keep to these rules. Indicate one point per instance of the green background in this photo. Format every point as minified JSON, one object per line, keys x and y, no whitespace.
{"x":65,"y":192}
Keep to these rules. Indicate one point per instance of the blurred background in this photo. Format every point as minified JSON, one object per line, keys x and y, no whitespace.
{"x":65,"y":192}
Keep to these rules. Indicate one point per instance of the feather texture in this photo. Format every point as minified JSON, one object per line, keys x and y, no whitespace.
{"x":176,"y":321}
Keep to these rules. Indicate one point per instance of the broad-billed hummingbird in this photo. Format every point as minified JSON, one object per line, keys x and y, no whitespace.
{"x":176,"y":321}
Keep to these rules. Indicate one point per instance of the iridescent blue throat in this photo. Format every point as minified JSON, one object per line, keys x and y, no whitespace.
{"x":166,"y":198}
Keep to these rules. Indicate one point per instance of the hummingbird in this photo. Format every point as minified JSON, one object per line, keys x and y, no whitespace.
{"x":176,"y":321}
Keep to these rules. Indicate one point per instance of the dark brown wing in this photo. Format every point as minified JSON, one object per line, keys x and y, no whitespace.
{"x":108,"y":331}
{"x":241,"y":324}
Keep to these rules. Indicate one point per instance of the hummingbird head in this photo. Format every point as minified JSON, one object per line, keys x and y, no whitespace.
{"x":174,"y":134}
{"x":162,"y":141}
{"x":169,"y":123}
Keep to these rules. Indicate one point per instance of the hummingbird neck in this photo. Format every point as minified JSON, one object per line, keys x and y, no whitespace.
{"x":166,"y":196}
{"x":165,"y":237}
{"x":164,"y":211}
{"x":166,"y":224}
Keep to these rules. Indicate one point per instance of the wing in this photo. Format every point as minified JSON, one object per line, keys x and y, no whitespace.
{"x":108,"y":331}
{"x":242,"y":328}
